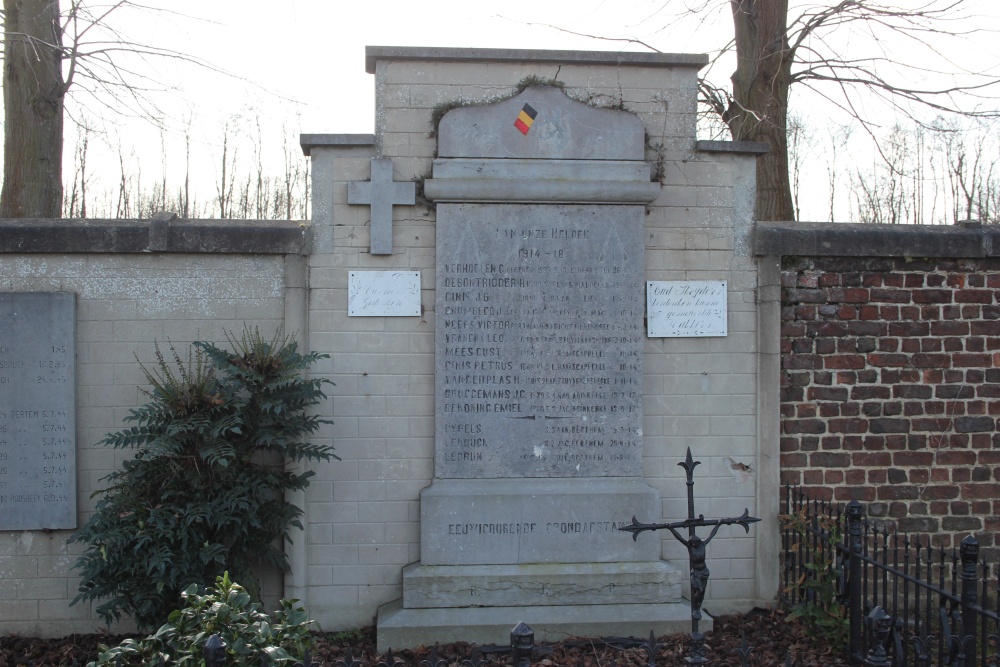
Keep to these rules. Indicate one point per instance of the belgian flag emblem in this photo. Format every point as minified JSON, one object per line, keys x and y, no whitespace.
{"x":525,"y":119}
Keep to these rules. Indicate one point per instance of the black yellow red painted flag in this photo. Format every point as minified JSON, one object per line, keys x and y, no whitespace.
{"x":525,"y":119}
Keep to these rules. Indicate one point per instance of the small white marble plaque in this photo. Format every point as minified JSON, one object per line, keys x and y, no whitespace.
{"x":383,"y":294}
{"x":683,"y":309}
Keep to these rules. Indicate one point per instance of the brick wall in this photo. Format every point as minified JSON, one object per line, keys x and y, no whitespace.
{"x":890,"y":388}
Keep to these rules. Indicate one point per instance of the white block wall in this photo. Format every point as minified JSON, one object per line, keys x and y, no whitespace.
{"x":125,"y":302}
{"x":716,"y":395}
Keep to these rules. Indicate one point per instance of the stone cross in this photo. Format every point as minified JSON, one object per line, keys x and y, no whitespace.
{"x":381,"y":193}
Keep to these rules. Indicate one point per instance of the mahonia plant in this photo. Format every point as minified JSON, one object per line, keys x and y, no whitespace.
{"x":205,"y":492}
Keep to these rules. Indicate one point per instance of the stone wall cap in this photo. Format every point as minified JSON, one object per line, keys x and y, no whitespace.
{"x":310,"y":141}
{"x":826,"y":239}
{"x":162,"y":234}
{"x":632,"y":58}
{"x":751,"y":147}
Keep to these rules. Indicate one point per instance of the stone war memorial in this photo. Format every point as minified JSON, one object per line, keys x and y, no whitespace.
{"x":545,"y":404}
{"x":537,"y":289}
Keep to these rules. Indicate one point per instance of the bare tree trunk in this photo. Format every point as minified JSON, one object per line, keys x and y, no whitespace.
{"x":33,"y":92}
{"x":760,"y":98}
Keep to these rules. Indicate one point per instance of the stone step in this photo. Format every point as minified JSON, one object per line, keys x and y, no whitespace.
{"x":434,"y":586}
{"x":400,"y":628}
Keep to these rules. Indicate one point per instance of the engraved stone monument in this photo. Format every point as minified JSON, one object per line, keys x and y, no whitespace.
{"x":37,"y":411}
{"x":538,"y":380}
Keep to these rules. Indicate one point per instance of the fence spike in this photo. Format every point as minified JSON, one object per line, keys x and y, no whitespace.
{"x":922,"y":644}
{"x":651,"y":647}
{"x":389,"y":661}
{"x":307,"y":660}
{"x":475,"y":659}
{"x":432,"y":660}
{"x":347,"y":661}
{"x":743,"y":650}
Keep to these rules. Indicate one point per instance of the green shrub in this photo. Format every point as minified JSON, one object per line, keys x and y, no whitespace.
{"x":816,"y":591}
{"x":228,"y":611}
{"x":205,"y":492}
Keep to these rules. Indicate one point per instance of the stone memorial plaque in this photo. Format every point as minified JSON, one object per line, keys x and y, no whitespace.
{"x":539,"y":341}
{"x":383,"y":293}
{"x":681,"y":309}
{"x":37,"y":411}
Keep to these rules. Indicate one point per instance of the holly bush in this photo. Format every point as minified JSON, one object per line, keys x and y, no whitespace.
{"x":205,"y":491}
{"x":228,"y":611}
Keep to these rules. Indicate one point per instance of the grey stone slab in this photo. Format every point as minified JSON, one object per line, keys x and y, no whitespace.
{"x":554,"y":127}
{"x":541,"y":181}
{"x":838,"y":239}
{"x":540,"y":584}
{"x":559,"y":170}
{"x":381,"y":193}
{"x":540,"y":191}
{"x":539,"y":341}
{"x":748,"y":147}
{"x":467,"y":55}
{"x":310,"y":141}
{"x":37,"y":410}
{"x":554,"y":520}
{"x":133,"y":236}
{"x":400,"y":628}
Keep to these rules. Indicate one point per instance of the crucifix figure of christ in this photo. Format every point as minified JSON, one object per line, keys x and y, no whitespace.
{"x":696,"y":547}
{"x":381,"y":193}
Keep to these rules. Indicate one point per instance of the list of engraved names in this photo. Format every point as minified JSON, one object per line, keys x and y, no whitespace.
{"x":37,"y":440}
{"x":539,"y":343}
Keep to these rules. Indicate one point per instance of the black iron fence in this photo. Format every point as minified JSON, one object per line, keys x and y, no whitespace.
{"x":894,"y":600}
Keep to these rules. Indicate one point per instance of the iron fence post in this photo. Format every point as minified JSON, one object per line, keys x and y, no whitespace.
{"x":970,"y":596}
{"x":854,"y":513}
{"x":522,"y":644}
{"x":214,"y":651}
{"x":879,"y":628}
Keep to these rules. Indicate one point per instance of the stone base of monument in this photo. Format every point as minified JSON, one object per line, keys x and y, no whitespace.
{"x":550,"y":584}
{"x":400,"y":628}
{"x":535,"y":520}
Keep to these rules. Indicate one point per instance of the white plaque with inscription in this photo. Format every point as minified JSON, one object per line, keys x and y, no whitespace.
{"x":383,"y":294}
{"x":683,"y":309}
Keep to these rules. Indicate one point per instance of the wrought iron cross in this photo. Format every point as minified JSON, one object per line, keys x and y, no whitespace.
{"x":696,"y":552}
{"x":381,"y":193}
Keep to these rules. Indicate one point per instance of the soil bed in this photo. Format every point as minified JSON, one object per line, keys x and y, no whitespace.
{"x":768,"y":632}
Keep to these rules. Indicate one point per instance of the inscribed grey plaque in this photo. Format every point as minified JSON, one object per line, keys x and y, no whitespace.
{"x":686,"y":309}
{"x":539,"y":341}
{"x":383,"y":293}
{"x":37,"y":411}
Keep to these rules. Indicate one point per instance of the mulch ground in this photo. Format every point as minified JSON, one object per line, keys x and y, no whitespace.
{"x":772,"y":638}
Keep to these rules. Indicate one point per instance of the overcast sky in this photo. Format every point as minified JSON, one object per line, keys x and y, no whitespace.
{"x":312,"y":51}
{"x":300,"y":63}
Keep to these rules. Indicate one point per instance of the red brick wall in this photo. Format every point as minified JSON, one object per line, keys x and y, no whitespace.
{"x":891,"y":389}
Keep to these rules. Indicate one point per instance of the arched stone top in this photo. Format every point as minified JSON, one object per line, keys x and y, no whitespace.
{"x":562,"y":129}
